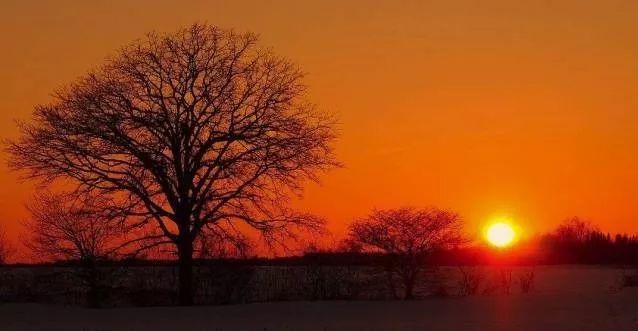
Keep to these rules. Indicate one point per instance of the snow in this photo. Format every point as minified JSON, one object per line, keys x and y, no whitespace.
{"x":566,"y":298}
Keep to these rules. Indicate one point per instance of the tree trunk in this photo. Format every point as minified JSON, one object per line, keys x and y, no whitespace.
{"x":185,"y":266}
{"x":409,"y":289}
{"x":389,"y":273}
{"x":91,"y":278}
{"x":409,"y":281}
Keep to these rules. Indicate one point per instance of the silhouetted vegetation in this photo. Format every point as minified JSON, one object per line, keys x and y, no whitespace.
{"x":64,"y":227}
{"x":191,"y":133}
{"x":576,"y":241}
{"x":408,"y":237}
{"x":183,"y":143}
{"x":346,"y":274}
{"x":87,"y":272}
{"x":232,"y":281}
{"x":527,"y":280}
{"x":470,"y":281}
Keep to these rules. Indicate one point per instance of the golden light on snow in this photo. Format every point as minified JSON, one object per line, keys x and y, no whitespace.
{"x":500,"y":234}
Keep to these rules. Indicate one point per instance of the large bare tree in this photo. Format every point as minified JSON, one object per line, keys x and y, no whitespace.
{"x":407,"y":236}
{"x":191,"y":132}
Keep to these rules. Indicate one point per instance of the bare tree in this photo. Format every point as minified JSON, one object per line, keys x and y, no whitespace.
{"x":409,"y":236}
{"x":192,"y":132}
{"x":5,"y":247}
{"x":574,"y":230}
{"x":223,"y":244}
{"x":64,"y":227}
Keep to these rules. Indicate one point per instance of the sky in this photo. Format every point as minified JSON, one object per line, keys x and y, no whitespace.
{"x":492,"y":108}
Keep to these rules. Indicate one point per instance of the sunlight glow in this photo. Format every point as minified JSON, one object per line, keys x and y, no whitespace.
{"x":500,"y":234}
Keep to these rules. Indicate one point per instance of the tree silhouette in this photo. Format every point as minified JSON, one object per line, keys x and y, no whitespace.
{"x":579,"y":241}
{"x":68,"y":228}
{"x":64,"y":227}
{"x":575,"y":230}
{"x":408,"y":236}
{"x":191,"y":132}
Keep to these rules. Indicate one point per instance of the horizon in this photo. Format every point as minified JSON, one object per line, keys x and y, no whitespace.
{"x":490,"y":109}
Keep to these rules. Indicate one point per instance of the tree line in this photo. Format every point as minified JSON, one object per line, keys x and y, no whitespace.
{"x":403,"y":245}
{"x":579,"y":241}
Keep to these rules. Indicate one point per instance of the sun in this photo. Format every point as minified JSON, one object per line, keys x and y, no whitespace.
{"x":500,"y":234}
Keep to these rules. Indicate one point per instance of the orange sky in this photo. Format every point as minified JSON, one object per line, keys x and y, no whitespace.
{"x":524,"y":108}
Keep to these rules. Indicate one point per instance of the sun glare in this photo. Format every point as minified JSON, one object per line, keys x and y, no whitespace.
{"x":500,"y":234}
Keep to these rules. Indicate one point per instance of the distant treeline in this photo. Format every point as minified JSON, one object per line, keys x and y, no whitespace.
{"x":595,"y":248}
{"x":344,"y":272}
{"x":573,"y":242}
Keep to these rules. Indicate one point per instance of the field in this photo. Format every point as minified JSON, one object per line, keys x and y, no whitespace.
{"x":564,"y":298}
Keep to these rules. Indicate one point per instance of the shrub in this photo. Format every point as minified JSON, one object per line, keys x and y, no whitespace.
{"x":470,"y":281}
{"x":526,"y":281}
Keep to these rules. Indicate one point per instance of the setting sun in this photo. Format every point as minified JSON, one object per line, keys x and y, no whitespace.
{"x":500,"y":234}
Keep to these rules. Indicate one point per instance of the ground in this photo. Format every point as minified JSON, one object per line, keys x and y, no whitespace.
{"x":566,"y":298}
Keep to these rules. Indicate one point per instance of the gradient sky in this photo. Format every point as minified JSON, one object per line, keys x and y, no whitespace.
{"x":523,"y":108}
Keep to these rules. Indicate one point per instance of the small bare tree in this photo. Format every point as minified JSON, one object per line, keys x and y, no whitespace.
{"x":192,"y":131}
{"x":63,"y":227}
{"x":409,"y":236}
{"x":574,"y":230}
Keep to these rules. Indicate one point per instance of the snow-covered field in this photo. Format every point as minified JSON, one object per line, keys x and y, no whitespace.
{"x":566,"y":298}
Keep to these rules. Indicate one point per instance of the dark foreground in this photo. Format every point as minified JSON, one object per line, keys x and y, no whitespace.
{"x":564,"y":298}
{"x":617,"y":311}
